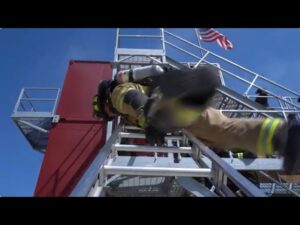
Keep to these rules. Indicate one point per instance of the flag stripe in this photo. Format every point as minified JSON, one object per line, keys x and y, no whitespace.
{"x":211,"y":35}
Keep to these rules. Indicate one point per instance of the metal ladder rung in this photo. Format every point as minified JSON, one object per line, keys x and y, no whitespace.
{"x":146,"y":161}
{"x":157,"y":171}
{"x":142,"y":136}
{"x":142,"y":148}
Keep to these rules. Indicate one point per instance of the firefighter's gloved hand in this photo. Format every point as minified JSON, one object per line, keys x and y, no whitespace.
{"x":154,"y":136}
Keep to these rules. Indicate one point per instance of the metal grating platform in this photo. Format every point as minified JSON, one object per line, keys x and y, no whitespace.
{"x":34,"y":114}
{"x":140,"y":186}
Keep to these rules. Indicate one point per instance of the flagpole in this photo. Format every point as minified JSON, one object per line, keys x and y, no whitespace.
{"x":199,"y":41}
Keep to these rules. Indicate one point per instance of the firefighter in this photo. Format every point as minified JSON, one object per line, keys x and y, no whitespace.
{"x":178,"y":99}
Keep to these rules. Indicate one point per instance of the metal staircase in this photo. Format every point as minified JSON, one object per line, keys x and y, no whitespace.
{"x":115,"y":174}
{"x":198,"y":171}
{"x":184,"y":166}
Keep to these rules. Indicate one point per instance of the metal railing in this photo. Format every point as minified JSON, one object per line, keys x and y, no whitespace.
{"x":223,"y":171}
{"x":283,"y":100}
{"x":33,"y":102}
{"x":285,"y":97}
{"x":88,"y":180}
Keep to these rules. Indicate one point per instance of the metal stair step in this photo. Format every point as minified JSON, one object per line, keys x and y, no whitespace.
{"x":132,"y":128}
{"x":265,"y":164}
{"x":194,"y":187}
{"x":142,"y":136}
{"x":146,"y":161}
{"x":157,"y":171}
{"x":142,"y":148}
{"x":247,"y":164}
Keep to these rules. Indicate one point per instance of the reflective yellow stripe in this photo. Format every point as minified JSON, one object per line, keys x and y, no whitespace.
{"x":269,"y":147}
{"x":142,"y":89}
{"x":120,"y":92}
{"x":240,"y":155}
{"x":95,"y":99}
{"x":96,"y":108}
{"x":265,"y":137}
{"x":261,"y":136}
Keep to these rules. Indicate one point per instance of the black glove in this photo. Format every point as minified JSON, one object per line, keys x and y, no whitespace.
{"x":154,"y":136}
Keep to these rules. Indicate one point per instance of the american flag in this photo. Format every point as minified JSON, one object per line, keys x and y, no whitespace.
{"x":209,"y":34}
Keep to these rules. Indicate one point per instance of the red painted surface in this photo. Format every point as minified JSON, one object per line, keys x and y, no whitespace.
{"x":75,"y":141}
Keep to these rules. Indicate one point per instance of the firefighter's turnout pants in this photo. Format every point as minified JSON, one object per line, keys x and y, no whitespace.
{"x":210,"y":125}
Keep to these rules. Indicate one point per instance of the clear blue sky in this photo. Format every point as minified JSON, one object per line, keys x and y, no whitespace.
{"x":39,"y":57}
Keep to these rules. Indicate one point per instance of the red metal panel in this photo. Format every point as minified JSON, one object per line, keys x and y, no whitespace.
{"x":79,"y":87}
{"x":75,"y":141}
